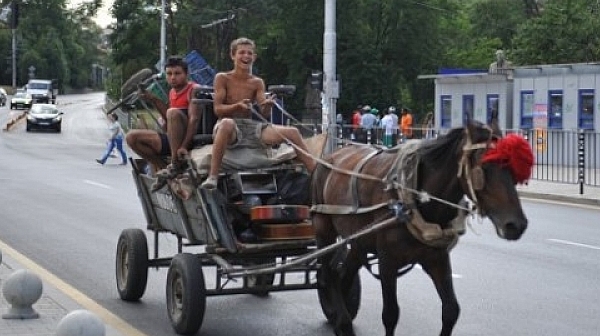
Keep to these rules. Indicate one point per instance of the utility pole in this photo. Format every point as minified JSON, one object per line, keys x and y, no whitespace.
{"x":163,"y":36}
{"x":331,"y":85}
{"x":14,"y":22}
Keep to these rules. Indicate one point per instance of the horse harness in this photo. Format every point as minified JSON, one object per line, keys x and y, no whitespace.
{"x":402,"y":180}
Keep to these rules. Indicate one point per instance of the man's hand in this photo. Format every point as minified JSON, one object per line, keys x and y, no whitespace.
{"x":182,"y":154}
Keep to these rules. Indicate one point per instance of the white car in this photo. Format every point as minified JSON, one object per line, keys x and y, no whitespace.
{"x":21,"y":99}
{"x":2,"y":97}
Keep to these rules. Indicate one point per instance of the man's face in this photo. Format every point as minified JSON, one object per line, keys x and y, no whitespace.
{"x":176,"y":77}
{"x":243,"y":56}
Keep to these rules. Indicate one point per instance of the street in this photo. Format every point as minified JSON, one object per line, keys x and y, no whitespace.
{"x":65,"y":212}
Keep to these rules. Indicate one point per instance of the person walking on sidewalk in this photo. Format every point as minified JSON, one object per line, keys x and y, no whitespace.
{"x":115,"y":140}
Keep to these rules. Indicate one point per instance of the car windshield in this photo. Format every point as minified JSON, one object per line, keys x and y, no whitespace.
{"x":21,"y":95}
{"x":37,"y":86}
{"x":43,"y":109}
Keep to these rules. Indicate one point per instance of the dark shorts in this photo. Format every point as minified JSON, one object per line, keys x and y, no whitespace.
{"x":165,"y":148}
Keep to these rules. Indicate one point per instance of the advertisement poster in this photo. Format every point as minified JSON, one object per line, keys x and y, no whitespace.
{"x":540,"y":124}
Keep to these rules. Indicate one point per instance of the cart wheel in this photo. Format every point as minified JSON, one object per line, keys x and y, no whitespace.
{"x":352,"y":299}
{"x":132,"y":264}
{"x":261,"y":280}
{"x":186,"y":294}
{"x":131,"y":85}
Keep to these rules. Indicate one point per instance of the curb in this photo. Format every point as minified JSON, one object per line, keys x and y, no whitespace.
{"x":561,"y":198}
{"x":13,"y":121}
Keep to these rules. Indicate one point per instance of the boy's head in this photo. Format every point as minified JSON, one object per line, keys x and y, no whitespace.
{"x":240,"y":41}
{"x":176,"y":61}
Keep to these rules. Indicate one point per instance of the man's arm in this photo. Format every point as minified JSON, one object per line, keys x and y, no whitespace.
{"x":160,"y":106}
{"x":220,"y":106}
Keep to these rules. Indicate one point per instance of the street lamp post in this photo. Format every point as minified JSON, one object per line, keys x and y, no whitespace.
{"x":331,"y":85}
{"x":163,"y":35}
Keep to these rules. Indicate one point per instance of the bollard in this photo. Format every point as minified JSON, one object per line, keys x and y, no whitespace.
{"x":0,"y":257}
{"x":80,"y":323}
{"x":21,"y":290}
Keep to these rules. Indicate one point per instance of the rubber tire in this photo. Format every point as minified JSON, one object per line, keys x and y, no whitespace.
{"x":186,"y":294}
{"x":261,"y":279}
{"x":352,"y":300}
{"x":59,"y":128}
{"x":131,"y":85}
{"x":28,"y":128}
{"x":132,"y":264}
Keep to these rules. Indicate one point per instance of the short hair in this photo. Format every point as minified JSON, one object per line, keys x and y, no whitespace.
{"x":114,"y":116}
{"x":177,"y":61}
{"x":240,"y":41}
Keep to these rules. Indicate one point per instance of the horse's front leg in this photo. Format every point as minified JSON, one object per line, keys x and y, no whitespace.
{"x":440,"y":272}
{"x":388,"y":272}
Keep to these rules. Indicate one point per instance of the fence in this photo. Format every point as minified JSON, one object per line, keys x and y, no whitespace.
{"x":562,"y":156}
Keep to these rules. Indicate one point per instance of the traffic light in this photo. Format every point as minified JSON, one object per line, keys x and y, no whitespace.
{"x":14,"y":14}
{"x":316,"y":80}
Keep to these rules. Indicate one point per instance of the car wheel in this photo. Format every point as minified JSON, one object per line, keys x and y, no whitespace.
{"x":58,"y":128}
{"x":28,"y":127}
{"x":11,"y":106}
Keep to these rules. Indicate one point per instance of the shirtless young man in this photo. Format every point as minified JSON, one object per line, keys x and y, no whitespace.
{"x":234,"y":93}
{"x":180,"y":117}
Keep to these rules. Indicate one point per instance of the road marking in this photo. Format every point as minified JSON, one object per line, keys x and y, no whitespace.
{"x":566,"y":242}
{"x":108,"y":317}
{"x":97,"y":184}
{"x":454,"y":275}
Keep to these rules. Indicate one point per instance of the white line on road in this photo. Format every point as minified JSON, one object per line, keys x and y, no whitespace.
{"x":454,"y":275}
{"x":101,"y":185}
{"x":566,"y":242}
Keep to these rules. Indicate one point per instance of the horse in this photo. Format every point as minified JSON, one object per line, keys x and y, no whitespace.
{"x":416,"y":187}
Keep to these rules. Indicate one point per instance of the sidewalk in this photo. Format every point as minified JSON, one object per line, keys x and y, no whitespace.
{"x":55,"y":304}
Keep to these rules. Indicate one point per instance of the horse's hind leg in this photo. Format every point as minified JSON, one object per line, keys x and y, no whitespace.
{"x":440,"y":272}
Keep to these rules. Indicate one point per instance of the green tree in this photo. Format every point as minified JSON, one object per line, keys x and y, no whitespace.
{"x":566,"y":32}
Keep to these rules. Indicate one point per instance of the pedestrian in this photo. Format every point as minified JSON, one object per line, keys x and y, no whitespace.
{"x":387,"y":123}
{"x":356,"y":116}
{"x":115,"y":140}
{"x":406,"y":124}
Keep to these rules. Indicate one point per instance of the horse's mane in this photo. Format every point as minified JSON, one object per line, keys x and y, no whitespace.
{"x":438,"y":151}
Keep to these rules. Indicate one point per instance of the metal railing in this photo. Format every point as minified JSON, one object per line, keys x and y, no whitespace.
{"x":561,"y":156}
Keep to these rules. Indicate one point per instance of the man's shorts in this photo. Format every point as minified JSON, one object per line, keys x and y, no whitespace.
{"x":165,"y":147}
{"x":247,"y":133}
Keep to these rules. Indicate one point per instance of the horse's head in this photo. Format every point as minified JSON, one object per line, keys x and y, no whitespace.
{"x":490,"y":167}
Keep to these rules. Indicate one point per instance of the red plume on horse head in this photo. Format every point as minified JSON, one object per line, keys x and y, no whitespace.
{"x":515,"y":152}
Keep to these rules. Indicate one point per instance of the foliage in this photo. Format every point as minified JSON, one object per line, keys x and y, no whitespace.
{"x":59,"y":43}
{"x":566,"y":32}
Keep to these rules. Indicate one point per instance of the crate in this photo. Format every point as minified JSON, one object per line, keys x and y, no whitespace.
{"x":199,"y":70}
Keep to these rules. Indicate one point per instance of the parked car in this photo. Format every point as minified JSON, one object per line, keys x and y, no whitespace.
{"x":3,"y":97}
{"x":44,"y":116}
{"x":21,"y":99}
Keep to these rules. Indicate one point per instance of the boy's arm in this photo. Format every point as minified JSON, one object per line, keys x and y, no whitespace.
{"x":265,"y":103}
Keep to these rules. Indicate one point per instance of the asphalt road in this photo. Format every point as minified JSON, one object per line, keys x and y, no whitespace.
{"x":65,"y":212}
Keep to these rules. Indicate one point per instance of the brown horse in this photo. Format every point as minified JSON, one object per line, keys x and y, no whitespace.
{"x":417,"y":185}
